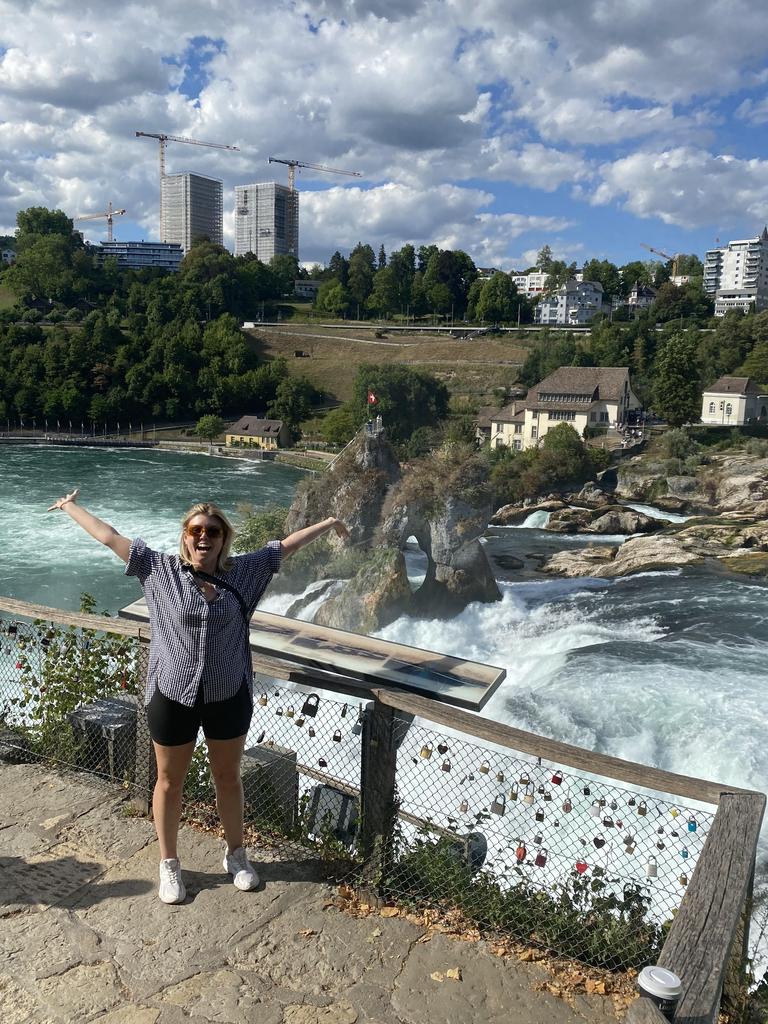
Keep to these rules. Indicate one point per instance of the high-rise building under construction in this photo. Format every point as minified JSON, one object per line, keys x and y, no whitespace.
{"x":192,"y":208}
{"x":266,"y":220}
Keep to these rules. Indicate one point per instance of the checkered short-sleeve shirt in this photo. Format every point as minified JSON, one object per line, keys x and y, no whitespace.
{"x":195,"y":641}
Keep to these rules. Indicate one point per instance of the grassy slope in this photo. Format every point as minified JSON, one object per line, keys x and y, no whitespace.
{"x":471,"y":368}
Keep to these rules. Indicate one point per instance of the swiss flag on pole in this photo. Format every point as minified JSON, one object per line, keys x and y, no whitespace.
{"x":372,"y":399}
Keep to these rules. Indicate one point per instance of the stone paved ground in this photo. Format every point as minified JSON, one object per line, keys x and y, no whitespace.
{"x":84,"y":938}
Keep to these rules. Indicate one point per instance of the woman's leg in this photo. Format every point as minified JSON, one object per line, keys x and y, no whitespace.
{"x":224,"y":757}
{"x":172,"y":766}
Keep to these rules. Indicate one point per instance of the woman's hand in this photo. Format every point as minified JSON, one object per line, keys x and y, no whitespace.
{"x":72,"y":496}
{"x":341,"y":530}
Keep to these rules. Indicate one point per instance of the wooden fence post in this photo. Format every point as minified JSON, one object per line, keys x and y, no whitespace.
{"x":383,"y":730}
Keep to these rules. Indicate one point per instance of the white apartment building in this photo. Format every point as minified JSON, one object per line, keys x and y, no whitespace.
{"x":191,"y":207}
{"x":737,"y":274}
{"x":7,"y":256}
{"x":733,"y":401}
{"x":266,"y":220}
{"x":530,"y":285}
{"x":574,"y":304}
{"x":582,"y":396}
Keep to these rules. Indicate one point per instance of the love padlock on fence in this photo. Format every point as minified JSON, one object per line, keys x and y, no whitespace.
{"x":541,"y":858}
{"x":499,"y":805}
{"x":310,"y":705}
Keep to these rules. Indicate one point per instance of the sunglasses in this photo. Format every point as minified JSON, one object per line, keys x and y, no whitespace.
{"x":210,"y":531}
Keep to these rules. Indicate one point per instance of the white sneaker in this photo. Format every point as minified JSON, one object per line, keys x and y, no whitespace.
{"x":171,"y":885}
{"x":237,"y":864}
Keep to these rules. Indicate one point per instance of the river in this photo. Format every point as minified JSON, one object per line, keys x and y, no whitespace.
{"x":662,"y":668}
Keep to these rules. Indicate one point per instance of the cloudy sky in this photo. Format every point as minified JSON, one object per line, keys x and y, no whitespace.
{"x":496,"y":126}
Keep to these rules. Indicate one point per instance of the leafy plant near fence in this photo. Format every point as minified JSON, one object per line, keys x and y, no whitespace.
{"x":581,"y":917}
{"x":62,"y":669}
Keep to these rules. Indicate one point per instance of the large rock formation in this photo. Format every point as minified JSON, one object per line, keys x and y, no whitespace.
{"x":441,"y":500}
{"x":732,"y":542}
{"x":727,"y":482}
{"x":610,"y":519}
{"x":377,"y":594}
{"x":353,"y":490}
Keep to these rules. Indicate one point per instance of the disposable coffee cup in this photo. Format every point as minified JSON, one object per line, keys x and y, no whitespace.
{"x":662,"y":987}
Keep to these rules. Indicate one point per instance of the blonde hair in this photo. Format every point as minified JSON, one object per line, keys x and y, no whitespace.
{"x":207,"y":508}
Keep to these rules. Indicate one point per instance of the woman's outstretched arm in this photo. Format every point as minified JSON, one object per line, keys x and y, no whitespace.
{"x":297,"y":540}
{"x":101,"y":531}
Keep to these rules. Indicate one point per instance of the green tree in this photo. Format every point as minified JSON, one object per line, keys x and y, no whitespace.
{"x":285,"y":269}
{"x":635,"y":272}
{"x":362,"y":266}
{"x":292,"y":402}
{"x":498,"y":299}
{"x":384,"y":295}
{"x":339,"y":425}
{"x":37,"y":221}
{"x":676,"y":385}
{"x":605,"y":273}
{"x":689,"y":300}
{"x":544,"y":259}
{"x":332,"y":298}
{"x":338,"y":267}
{"x":407,"y":398}
{"x":210,"y":427}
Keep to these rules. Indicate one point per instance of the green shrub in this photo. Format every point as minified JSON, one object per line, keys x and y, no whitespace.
{"x":254,"y":529}
{"x":678,"y":444}
{"x":63,"y":669}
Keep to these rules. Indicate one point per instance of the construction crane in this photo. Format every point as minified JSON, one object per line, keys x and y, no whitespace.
{"x":293,"y":164}
{"x":672,"y":259}
{"x":109,"y":214}
{"x":163,"y":139}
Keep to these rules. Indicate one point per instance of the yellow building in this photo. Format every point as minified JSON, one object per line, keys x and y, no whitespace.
{"x":253,"y":432}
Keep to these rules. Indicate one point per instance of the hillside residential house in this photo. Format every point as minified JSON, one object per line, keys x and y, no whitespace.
{"x":7,"y":256}
{"x":733,"y":401}
{"x":583,"y":396}
{"x":574,"y":304}
{"x":530,"y":285}
{"x":254,"y":432}
{"x":306,"y":289}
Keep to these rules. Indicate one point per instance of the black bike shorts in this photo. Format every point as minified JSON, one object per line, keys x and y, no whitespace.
{"x":172,"y":724}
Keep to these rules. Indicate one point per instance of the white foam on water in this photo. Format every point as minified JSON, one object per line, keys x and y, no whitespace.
{"x":535,"y":521}
{"x":656,"y":513}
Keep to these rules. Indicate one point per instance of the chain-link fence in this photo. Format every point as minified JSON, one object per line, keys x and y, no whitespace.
{"x":573,"y":863}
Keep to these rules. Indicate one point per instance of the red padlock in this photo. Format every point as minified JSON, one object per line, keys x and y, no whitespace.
{"x":541,"y":858}
{"x":581,"y":866}
{"x":557,"y":778}
{"x":521,"y":852}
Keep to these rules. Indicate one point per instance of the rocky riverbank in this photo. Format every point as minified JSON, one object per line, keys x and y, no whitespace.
{"x":727,"y":500}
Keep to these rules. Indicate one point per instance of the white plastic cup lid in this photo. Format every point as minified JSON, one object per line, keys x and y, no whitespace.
{"x":659,"y":982}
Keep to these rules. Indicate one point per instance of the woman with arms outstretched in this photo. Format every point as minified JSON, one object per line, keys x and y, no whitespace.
{"x":199,"y":603}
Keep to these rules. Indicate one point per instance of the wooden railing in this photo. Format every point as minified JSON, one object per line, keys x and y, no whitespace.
{"x":706,"y":944}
